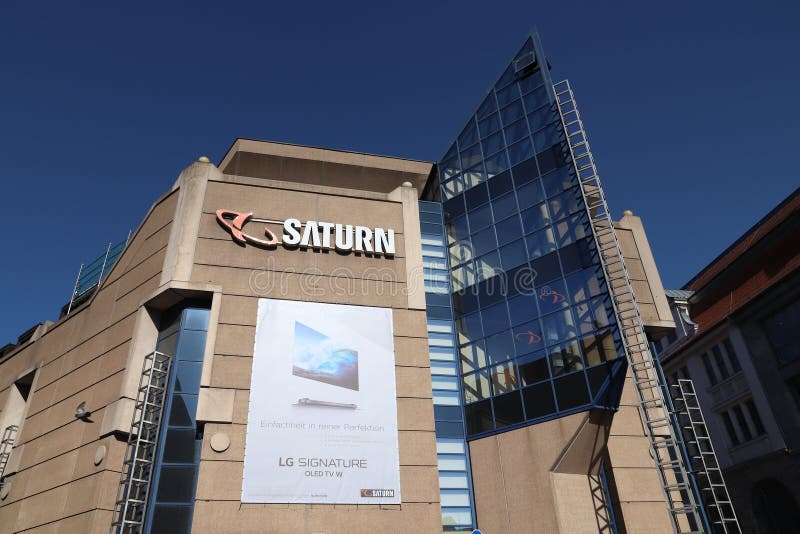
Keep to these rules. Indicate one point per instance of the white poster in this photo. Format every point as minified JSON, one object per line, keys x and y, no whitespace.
{"x":322,"y":425}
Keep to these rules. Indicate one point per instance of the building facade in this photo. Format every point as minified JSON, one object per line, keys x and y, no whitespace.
{"x":310,"y":340}
{"x":736,"y":340}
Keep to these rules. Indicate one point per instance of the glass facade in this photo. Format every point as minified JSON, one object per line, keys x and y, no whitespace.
{"x":536,"y":332}
{"x":180,"y":441}
{"x":455,"y":482}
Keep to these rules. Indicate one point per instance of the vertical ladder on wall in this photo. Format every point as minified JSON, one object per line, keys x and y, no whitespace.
{"x":6,"y":444}
{"x":685,"y":511}
{"x":137,"y":470}
{"x":713,"y":489}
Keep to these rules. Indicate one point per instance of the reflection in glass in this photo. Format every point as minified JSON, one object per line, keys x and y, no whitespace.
{"x":533,"y":368}
{"x":565,"y":358}
{"x":504,"y":378}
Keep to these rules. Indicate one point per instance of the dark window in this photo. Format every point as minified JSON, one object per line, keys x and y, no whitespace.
{"x":782,"y":329}
{"x":726,"y":419}
{"x":539,"y":400}
{"x":446,"y":413}
{"x":479,"y":218}
{"x":565,"y":358}
{"x":533,"y":368}
{"x":712,"y":376}
{"x":500,"y":184}
{"x":495,"y":318}
{"x":513,"y":254}
{"x":446,"y":429}
{"x":508,"y":230}
{"x":577,"y":256}
{"x":479,"y":417}
{"x":732,"y":357}
{"x":508,"y":409}
{"x":721,"y":365}
{"x":483,"y":241}
{"x":552,"y":158}
{"x":546,"y":269}
{"x":571,"y":391}
{"x":525,"y":172}
{"x":453,"y":207}
{"x":597,"y":377}
{"x":755,"y":417}
{"x":743,"y":426}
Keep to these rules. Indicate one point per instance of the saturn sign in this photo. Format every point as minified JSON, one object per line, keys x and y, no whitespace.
{"x":317,"y":235}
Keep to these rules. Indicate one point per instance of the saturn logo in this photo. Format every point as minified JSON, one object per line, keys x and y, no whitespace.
{"x":235,"y":221}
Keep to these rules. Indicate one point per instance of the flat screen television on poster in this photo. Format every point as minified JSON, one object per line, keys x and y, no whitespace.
{"x":321,"y":358}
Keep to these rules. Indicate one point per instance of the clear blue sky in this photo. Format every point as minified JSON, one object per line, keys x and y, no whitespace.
{"x":691,"y":108}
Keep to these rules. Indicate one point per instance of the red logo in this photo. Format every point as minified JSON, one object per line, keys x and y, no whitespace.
{"x":547,"y":294}
{"x":532,"y":337}
{"x":234,"y":222}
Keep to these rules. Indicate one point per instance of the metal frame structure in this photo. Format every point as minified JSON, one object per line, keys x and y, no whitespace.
{"x":714,"y":491}
{"x":685,"y":510}
{"x":6,"y":445}
{"x":137,"y":470}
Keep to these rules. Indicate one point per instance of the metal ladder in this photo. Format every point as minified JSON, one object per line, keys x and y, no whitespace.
{"x":684,"y":510}
{"x":137,"y":470}
{"x":6,"y":444}
{"x":713,"y":489}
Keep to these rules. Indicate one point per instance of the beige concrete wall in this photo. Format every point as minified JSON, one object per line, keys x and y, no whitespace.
{"x":65,"y":474}
{"x":247,"y":273}
{"x":643,"y":273}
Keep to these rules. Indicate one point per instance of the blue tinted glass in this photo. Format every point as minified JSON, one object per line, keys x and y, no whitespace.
{"x":540,"y":243}
{"x":496,"y":164}
{"x":495,"y":318}
{"x":471,"y":157}
{"x":578,"y":256}
{"x":176,"y":484}
{"x":476,"y":196}
{"x":504,"y":206}
{"x":500,"y":184}
{"x":548,"y":136}
{"x":546,"y":268}
{"x":552,"y":296}
{"x":484,"y":241}
{"x":449,"y":429}
{"x":528,"y":337}
{"x":489,"y":125}
{"x":512,"y":113}
{"x":531,"y":81}
{"x":513,"y":254}
{"x":541,"y":117}
{"x":508,"y":230}
{"x":516,"y":131}
{"x":523,"y":309}
{"x":480,"y":218}
{"x":469,"y":135}
{"x":535,"y":218}
{"x":183,"y":411}
{"x":558,"y":326}
{"x":500,"y":347}
{"x":469,"y":328}
{"x":504,"y":96}
{"x":525,"y":172}
{"x":559,"y":180}
{"x":520,"y":151}
{"x":196,"y":318}
{"x":536,"y":99}
{"x":585,"y":284}
{"x":493,"y":143}
{"x":187,"y":376}
{"x":192,"y":345}
{"x":566,"y":204}
{"x":530,"y":194}
{"x":458,"y":229}
{"x":572,"y":229}
{"x":488,"y":106}
{"x":179,"y":446}
{"x":171,"y":519}
{"x":488,"y":265}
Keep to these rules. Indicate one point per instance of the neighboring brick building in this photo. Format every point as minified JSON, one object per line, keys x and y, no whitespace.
{"x":737,"y":339}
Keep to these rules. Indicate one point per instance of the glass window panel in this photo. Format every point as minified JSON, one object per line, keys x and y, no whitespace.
{"x":508,"y":230}
{"x":571,"y":391}
{"x":538,"y":96}
{"x":545,"y":268}
{"x":552,"y":158}
{"x":471,"y":157}
{"x":552,"y":296}
{"x":480,"y":218}
{"x":712,"y":376}
{"x":453,"y":480}
{"x":528,"y":337}
{"x":449,"y":166}
{"x":533,"y":368}
{"x":171,"y":518}
{"x":577,"y":256}
{"x":469,"y":328}
{"x":463,"y":277}
{"x":520,"y":151}
{"x":743,"y":426}
{"x":489,"y":125}
{"x":566,"y":204}
{"x":508,"y":409}
{"x":476,"y":387}
{"x":474,"y":176}
{"x":487,"y":266}
{"x":454,"y":497}
{"x":478,"y":417}
{"x":469,"y":134}
{"x":443,"y":369}
{"x":187,"y":376}
{"x":600,"y":348}
{"x":460,"y":252}
{"x":548,"y":136}
{"x":597,"y":376}
{"x":444,"y":383}
{"x":512,"y":112}
{"x":495,"y":318}
{"x":525,"y":171}
{"x":530,"y":194}
{"x":183,"y":410}
{"x":586,"y":284}
{"x":450,"y":446}
{"x":532,"y":81}
{"x":451,"y":462}
{"x":457,"y":229}
{"x":721,"y":365}
{"x":516,"y":131}
{"x":523,"y":309}
{"x":504,"y":96}
{"x":732,"y":355}
{"x":539,"y":401}
{"x":168,"y":344}
{"x":493,"y":143}
{"x":176,"y":484}
{"x":504,"y":206}
{"x":453,"y":208}
{"x":500,"y":184}
{"x":496,"y":164}
{"x":196,"y":318}
{"x":755,"y":417}
{"x":446,"y":398}
{"x":513,"y":254}
{"x":594,"y":315}
{"x":179,"y":446}
{"x":558,"y":326}
{"x":504,"y":378}
{"x":726,"y":419}
{"x":572,"y":229}
{"x":500,"y":347}
{"x":559,"y":180}
{"x":488,"y":106}
{"x":442,"y":354}
{"x":456,"y":516}
{"x":535,"y":218}
{"x":447,"y":413}
{"x":448,"y":429}
{"x":475,"y":197}
{"x":473,"y":356}
{"x":565,"y":358}
{"x":540,"y":117}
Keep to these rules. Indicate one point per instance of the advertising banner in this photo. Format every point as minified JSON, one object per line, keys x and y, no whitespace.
{"x":322,"y":423}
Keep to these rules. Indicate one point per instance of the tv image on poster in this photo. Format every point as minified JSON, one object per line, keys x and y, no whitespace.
{"x":321,"y":358}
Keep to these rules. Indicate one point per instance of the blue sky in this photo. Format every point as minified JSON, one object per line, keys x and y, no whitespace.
{"x":691,"y":108}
